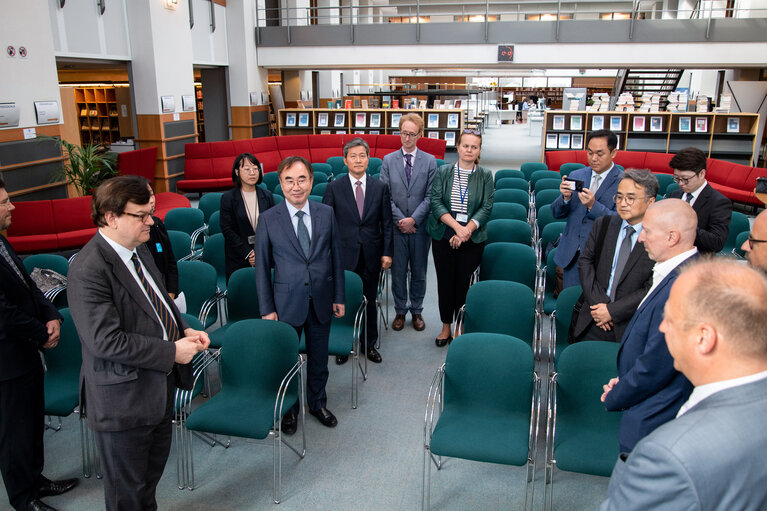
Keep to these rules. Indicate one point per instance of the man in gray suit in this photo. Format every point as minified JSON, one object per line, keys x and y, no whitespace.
{"x":136,"y":347}
{"x":409,"y":172}
{"x":711,"y":456}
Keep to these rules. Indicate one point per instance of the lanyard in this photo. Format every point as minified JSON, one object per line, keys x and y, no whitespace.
{"x":462,"y":193}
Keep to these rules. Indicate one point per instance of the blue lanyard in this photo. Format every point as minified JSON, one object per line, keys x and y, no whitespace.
{"x":463,"y":193}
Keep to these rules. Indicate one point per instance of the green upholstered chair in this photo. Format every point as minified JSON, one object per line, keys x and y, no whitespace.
{"x":340,"y":174}
{"x":566,"y":168}
{"x":214,"y":223}
{"x":560,"y":322}
{"x":502,"y":173}
{"x":545,"y":216}
{"x":663,"y":181}
{"x":277,"y":192}
{"x":482,"y":406}
{"x":530,"y":167}
{"x":321,"y":172}
{"x":188,"y":220}
{"x":509,"y":261}
{"x":508,"y":210}
{"x":670,"y":188}
{"x":213,"y":253}
{"x":546,"y":289}
{"x":278,"y":199}
{"x":198,"y":281}
{"x":511,"y":195}
{"x":271,"y":180}
{"x":209,"y":203}
{"x":336,"y":163}
{"x":181,"y":244}
{"x":320,"y":177}
{"x":739,"y":240}
{"x":316,"y":198}
{"x":54,"y":262}
{"x":319,"y":188}
{"x":507,"y":230}
{"x":581,"y":436}
{"x":543,"y":174}
{"x":512,"y":182}
{"x":545,"y":197}
{"x":738,"y":223}
{"x":374,"y":165}
{"x":241,"y":303}
{"x":261,"y":372}
{"x":546,"y":184}
{"x":549,"y":234}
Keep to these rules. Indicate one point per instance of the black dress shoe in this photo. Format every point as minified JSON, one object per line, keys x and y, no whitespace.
{"x":39,"y":505}
{"x":342,"y":359}
{"x":325,"y":416}
{"x":374,"y":356}
{"x":289,"y":423}
{"x":50,"y":488}
{"x":443,"y":342}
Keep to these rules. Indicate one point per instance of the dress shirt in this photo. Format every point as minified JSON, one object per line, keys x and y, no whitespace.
{"x":695,"y":193}
{"x":621,"y":237}
{"x":363,"y":179}
{"x":294,"y":219}
{"x":601,"y":181}
{"x":661,"y":270}
{"x":125,"y":255}
{"x":704,"y":391}
{"x":412,"y":160}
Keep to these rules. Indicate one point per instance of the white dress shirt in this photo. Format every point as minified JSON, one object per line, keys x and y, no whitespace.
{"x":412,"y":160}
{"x":621,"y":236}
{"x":294,"y":219}
{"x":695,"y":194}
{"x":661,"y":270}
{"x":704,"y":391}
{"x":363,"y":180}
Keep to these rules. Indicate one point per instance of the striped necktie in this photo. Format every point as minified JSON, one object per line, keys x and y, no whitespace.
{"x":8,"y":259}
{"x":165,"y":316}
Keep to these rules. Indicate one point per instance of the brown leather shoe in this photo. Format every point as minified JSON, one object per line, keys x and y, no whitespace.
{"x":418,"y":322}
{"x":398,"y":323}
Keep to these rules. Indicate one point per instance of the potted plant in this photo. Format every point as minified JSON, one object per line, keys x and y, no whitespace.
{"x":87,"y":166}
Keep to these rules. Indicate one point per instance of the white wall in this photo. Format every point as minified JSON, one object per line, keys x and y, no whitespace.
{"x":79,"y":30}
{"x":244,"y":74}
{"x":30,"y":79}
{"x":210,"y":48}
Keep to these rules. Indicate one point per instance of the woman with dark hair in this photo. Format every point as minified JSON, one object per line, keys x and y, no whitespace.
{"x":161,"y":249}
{"x":240,"y":208}
{"x":461,"y":203}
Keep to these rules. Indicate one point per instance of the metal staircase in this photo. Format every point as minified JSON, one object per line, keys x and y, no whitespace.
{"x":653,"y":81}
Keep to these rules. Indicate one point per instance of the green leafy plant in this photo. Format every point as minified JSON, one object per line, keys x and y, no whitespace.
{"x":87,"y":166}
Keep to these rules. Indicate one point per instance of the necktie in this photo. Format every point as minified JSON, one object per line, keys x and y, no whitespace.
{"x":303,"y":234}
{"x":165,"y":316}
{"x":595,"y":184}
{"x":408,"y":167}
{"x":8,"y":259}
{"x":688,"y":198}
{"x":359,"y":197}
{"x":623,"y":257}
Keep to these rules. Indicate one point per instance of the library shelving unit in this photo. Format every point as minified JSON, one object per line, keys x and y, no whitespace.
{"x":200,"y":115}
{"x":723,"y":136}
{"x":97,"y":114}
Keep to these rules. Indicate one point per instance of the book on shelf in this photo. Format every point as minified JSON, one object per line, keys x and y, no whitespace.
{"x":359,"y":132}
{"x":290,"y":119}
{"x":725,"y":104}
{"x":339,"y":120}
{"x":422,"y":104}
{"x":638,"y":123}
{"x":551,"y":140}
{"x":616,"y":122}
{"x":450,"y":138}
{"x":685,"y":124}
{"x":576,"y":141}
{"x":452,"y":121}
{"x":359,"y":120}
{"x":395,"y":120}
{"x":325,"y":132}
{"x":733,"y":125}
{"x":701,"y":124}
{"x":322,"y":119}
{"x":340,"y":132}
{"x":348,"y":104}
{"x":374,"y":132}
{"x":364,"y":103}
{"x":375,"y":120}
{"x":433,"y":134}
{"x":558,"y":123}
{"x":564,"y":141}
{"x":385,"y":100}
{"x":597,"y":122}
{"x":303,"y":119}
{"x":576,"y":123}
{"x":395,"y":103}
{"x":701,"y":103}
{"x":656,"y":123}
{"x":433,"y":121}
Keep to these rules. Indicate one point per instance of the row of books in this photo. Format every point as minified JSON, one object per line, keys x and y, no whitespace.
{"x":301,"y":119}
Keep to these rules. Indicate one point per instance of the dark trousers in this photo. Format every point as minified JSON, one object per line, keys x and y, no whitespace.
{"x":316,"y":335}
{"x":22,"y":414}
{"x":454,"y":268}
{"x":370,"y":290}
{"x":133,"y":461}
{"x":594,"y":333}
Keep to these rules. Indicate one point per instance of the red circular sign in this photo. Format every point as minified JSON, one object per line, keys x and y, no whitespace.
{"x":11,"y":51}
{"x":22,"y":52}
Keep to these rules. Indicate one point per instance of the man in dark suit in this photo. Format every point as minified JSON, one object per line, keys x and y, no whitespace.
{"x":615,"y":270}
{"x":755,"y":246}
{"x":136,"y":347}
{"x":711,"y":456}
{"x":600,"y":182}
{"x":28,"y":323}
{"x":648,"y":389}
{"x":409,"y":173}
{"x":300,"y":239}
{"x":362,"y":207}
{"x":714,"y":210}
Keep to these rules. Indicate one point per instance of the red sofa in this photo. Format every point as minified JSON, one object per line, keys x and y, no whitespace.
{"x":735,"y":181}
{"x":142,"y":163}
{"x":208,"y":165}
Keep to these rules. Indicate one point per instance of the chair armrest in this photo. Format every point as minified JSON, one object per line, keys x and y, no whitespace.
{"x":208,"y":305}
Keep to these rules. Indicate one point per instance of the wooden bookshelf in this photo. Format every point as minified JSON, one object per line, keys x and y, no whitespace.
{"x":97,"y":114}
{"x":200,"y":115}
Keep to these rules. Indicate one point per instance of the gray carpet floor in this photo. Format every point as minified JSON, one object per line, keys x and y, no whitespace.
{"x":373,"y":459}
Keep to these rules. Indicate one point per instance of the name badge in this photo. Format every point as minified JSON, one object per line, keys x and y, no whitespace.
{"x":462,"y":218}
{"x":252,"y":239}
{"x":158,"y":247}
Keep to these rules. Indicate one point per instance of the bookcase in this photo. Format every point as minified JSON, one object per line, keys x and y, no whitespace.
{"x":200,"y":115}
{"x":438,"y":123}
{"x":97,"y":114}
{"x":723,"y":136}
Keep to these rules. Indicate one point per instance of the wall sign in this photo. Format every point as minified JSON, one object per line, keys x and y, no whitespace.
{"x":9,"y":115}
{"x":47,"y":112}
{"x":505,"y":53}
{"x":168,"y":104}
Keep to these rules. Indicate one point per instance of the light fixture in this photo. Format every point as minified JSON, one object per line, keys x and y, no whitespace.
{"x":171,"y":4}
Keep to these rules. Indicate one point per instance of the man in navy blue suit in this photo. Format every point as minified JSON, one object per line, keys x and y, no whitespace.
{"x":600,"y":182}
{"x":362,"y":206}
{"x":300,"y":239}
{"x":648,"y":389}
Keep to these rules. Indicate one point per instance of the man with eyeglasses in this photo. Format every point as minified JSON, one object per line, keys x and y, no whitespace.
{"x":714,"y":210}
{"x":600,"y":182}
{"x":409,"y":172}
{"x":615,"y":270}
{"x":136,"y":347}
{"x":755,"y":246}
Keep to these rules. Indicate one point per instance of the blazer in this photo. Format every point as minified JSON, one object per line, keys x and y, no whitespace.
{"x":594,"y":267}
{"x":579,"y":220}
{"x":649,"y":391}
{"x":371,"y":234}
{"x":126,"y":362}
{"x":692,"y":462}
{"x":481,"y":191}
{"x":24,"y":311}
{"x":714,"y":212}
{"x":236,"y":227}
{"x":413,"y":199}
{"x":162,"y":253}
{"x":296,"y":277}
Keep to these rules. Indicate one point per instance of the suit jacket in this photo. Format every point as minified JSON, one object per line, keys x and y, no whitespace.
{"x":162,"y":253}
{"x":126,"y":362}
{"x":649,"y":391}
{"x":413,"y":199}
{"x":236,"y":227}
{"x":579,"y":220}
{"x":24,"y":311}
{"x":296,"y":277}
{"x":594,"y":267}
{"x":691,"y":462}
{"x":371,"y":234}
{"x":714,"y":212}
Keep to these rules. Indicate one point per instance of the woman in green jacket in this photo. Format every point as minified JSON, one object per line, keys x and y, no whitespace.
{"x":461,"y":203}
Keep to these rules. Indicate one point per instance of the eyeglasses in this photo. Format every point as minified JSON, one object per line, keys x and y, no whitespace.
{"x":470,"y":131}
{"x":628,"y":199}
{"x":751,"y":242}
{"x":290,"y":183}
{"x":684,"y":180}
{"x":141,"y":216}
{"x":407,"y":134}
{"x":249,"y":170}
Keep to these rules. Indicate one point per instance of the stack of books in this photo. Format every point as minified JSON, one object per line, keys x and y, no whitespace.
{"x":625,"y":103}
{"x":701,"y":103}
{"x":725,"y":103}
{"x":600,"y":102}
{"x":677,"y":102}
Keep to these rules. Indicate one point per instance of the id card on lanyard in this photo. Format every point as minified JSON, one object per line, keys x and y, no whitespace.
{"x":463,"y":218}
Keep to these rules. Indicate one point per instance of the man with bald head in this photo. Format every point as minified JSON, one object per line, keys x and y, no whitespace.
{"x":648,"y":390}
{"x":756,"y":244}
{"x":715,"y":330}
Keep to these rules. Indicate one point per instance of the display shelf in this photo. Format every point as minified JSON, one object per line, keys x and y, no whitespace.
{"x":97,"y":113}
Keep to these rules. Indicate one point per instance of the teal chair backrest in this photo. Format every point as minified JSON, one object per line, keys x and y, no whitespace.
{"x":278,"y":199}
{"x":214,"y":223}
{"x":213,"y":253}
{"x":500,"y":174}
{"x":508,"y":210}
{"x":336,"y":163}
{"x":530,"y":167}
{"x":509,"y":261}
{"x":507,"y":230}
{"x":544,"y":174}
{"x":663,"y":181}
{"x":319,"y":188}
{"x":546,"y":197}
{"x":54,"y":262}
{"x":271,"y":179}
{"x":545,"y":216}
{"x":739,"y":240}
{"x":738,"y":223}
{"x":186,"y":220}
{"x":322,"y":167}
{"x":671,"y":187}
{"x":546,"y":184}
{"x":551,"y":232}
{"x":440,"y":162}
{"x":374,"y":165}
{"x":520,"y":197}
{"x":192,"y":321}
{"x":315,"y":198}
{"x":209,"y":203}
{"x":278,"y":192}
{"x":353,"y":298}
{"x":564,"y":314}
{"x":241,"y":297}
{"x":319,"y":176}
{"x":488,"y":304}
{"x":181,"y":243}
{"x":66,"y":360}
{"x":512,"y":182}
{"x":198,"y":281}
{"x":566,"y":168}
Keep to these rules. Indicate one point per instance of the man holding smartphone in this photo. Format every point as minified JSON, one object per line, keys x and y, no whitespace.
{"x":599,"y":183}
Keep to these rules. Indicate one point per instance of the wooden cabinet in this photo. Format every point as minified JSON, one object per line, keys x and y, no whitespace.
{"x":97,"y":114}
